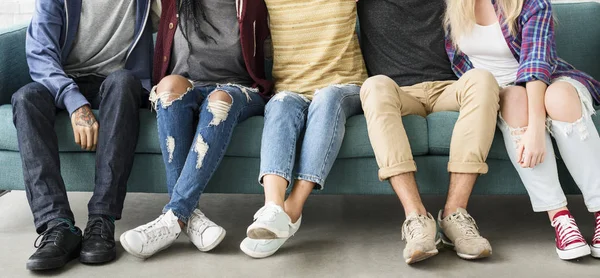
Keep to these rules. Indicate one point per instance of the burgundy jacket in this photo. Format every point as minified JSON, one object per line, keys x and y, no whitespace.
{"x":254,"y":30}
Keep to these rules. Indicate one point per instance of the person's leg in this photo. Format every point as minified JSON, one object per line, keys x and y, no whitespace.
{"x":285,"y":118}
{"x":569,"y":108}
{"x":221,"y":110}
{"x":384,"y":104}
{"x":120,"y":97}
{"x":177,"y":104}
{"x":476,"y":96}
{"x":541,"y":182}
{"x":34,"y":114}
{"x":325,"y":129}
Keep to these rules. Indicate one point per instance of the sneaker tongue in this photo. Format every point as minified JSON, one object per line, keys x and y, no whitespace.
{"x":561,"y":213}
{"x":462,"y":211}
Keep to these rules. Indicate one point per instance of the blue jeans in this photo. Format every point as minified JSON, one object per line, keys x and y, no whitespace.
{"x":193,"y":141}
{"x":323,"y":122}
{"x":119,"y":97}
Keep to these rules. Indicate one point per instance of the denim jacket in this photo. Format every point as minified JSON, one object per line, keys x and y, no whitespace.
{"x":50,"y":39}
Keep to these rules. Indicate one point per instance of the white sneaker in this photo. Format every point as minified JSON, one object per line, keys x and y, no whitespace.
{"x":270,"y":222}
{"x":203,"y":233}
{"x":262,"y":248}
{"x":146,"y":240}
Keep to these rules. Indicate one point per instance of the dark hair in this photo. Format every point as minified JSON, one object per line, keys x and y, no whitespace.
{"x":192,"y":11}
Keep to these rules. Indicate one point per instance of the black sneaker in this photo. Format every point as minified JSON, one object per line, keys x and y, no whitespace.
{"x":98,"y":241}
{"x":59,"y":244}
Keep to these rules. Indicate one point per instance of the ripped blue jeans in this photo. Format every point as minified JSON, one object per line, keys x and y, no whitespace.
{"x":322,"y":121}
{"x":194,"y":134}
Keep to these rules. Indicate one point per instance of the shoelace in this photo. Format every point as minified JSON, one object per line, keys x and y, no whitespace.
{"x":568,"y":232}
{"x":95,"y":228}
{"x":153,"y":234}
{"x":596,"y":239}
{"x":465,"y":223}
{"x":204,"y":222}
{"x":267,"y":212}
{"x":413,"y":228}
{"x":50,"y":235}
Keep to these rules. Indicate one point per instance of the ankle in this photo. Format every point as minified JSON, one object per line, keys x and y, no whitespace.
{"x":181,"y":224}
{"x":293,"y":211}
{"x":418,"y":210}
{"x":450,"y":209}
{"x":552,"y":214}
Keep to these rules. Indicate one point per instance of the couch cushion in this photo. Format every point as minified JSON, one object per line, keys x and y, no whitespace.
{"x":440,"y":126}
{"x":14,"y":71}
{"x":245,"y":142}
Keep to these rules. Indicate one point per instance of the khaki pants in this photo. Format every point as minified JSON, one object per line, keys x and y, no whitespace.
{"x":474,"y":95}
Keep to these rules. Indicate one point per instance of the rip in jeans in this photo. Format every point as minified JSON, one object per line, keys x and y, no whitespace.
{"x":166,"y":98}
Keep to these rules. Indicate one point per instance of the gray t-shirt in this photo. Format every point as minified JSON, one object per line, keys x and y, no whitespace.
{"x":211,"y":62}
{"x":106,"y":30}
{"x":404,"y":39}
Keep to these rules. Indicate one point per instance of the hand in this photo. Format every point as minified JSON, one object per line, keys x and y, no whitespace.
{"x":85,"y":128}
{"x":531,"y":150}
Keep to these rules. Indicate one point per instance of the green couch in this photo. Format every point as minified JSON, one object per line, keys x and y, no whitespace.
{"x":355,"y":171}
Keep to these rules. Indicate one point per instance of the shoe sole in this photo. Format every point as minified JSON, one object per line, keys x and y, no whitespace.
{"x":95,"y":258}
{"x":595,"y":252}
{"x":264,"y":232}
{"x":36,"y":265}
{"x":259,"y":255}
{"x":139,"y":256}
{"x":418,"y":256}
{"x":215,"y":243}
{"x":484,"y":254}
{"x":574,"y":253}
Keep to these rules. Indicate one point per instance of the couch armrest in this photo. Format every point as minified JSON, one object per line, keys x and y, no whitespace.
{"x":14,"y":72}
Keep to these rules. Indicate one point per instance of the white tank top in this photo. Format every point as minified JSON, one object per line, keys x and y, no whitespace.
{"x":487,"y":49}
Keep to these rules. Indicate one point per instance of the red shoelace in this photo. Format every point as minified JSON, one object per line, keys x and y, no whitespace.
{"x":567,"y":232}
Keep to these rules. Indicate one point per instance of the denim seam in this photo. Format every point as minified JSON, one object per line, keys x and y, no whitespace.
{"x":328,"y":153}
{"x":320,"y":182}
{"x":285,"y":176}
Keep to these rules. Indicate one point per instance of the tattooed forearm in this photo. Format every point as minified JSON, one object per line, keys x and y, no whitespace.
{"x":84,"y":117}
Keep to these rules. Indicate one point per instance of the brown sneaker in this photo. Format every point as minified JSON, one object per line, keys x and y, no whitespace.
{"x":460,"y":231}
{"x":419,"y":231}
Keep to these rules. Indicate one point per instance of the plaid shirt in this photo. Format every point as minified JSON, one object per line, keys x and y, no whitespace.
{"x":533,"y":46}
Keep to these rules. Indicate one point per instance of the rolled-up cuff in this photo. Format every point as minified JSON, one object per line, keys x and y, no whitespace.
{"x":397,"y":169}
{"x":468,"y":168}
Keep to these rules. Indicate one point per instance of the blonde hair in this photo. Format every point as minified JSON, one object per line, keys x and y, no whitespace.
{"x":460,"y":16}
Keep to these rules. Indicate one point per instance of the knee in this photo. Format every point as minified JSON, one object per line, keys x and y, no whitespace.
{"x":326,"y":97}
{"x":30,"y":94}
{"x":377,"y":90}
{"x":122,"y":78}
{"x":172,"y":87}
{"x":220,"y":95}
{"x":483,"y":80}
{"x":482,"y":87}
{"x":562,"y":102}
{"x":285,"y":103}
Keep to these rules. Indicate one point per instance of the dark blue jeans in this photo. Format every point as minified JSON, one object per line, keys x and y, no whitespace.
{"x":119,"y":98}
{"x":193,"y":140}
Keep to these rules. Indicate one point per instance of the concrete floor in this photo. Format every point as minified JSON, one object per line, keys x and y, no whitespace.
{"x":341,"y":236}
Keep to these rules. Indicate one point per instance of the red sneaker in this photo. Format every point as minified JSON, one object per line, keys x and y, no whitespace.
{"x":570,"y":244}
{"x":596,"y":239}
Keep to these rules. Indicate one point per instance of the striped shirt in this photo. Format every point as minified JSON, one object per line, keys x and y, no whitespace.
{"x":315,"y":45}
{"x":534,"y":47}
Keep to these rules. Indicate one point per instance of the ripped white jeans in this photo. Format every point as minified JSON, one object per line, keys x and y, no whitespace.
{"x":579,"y":147}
